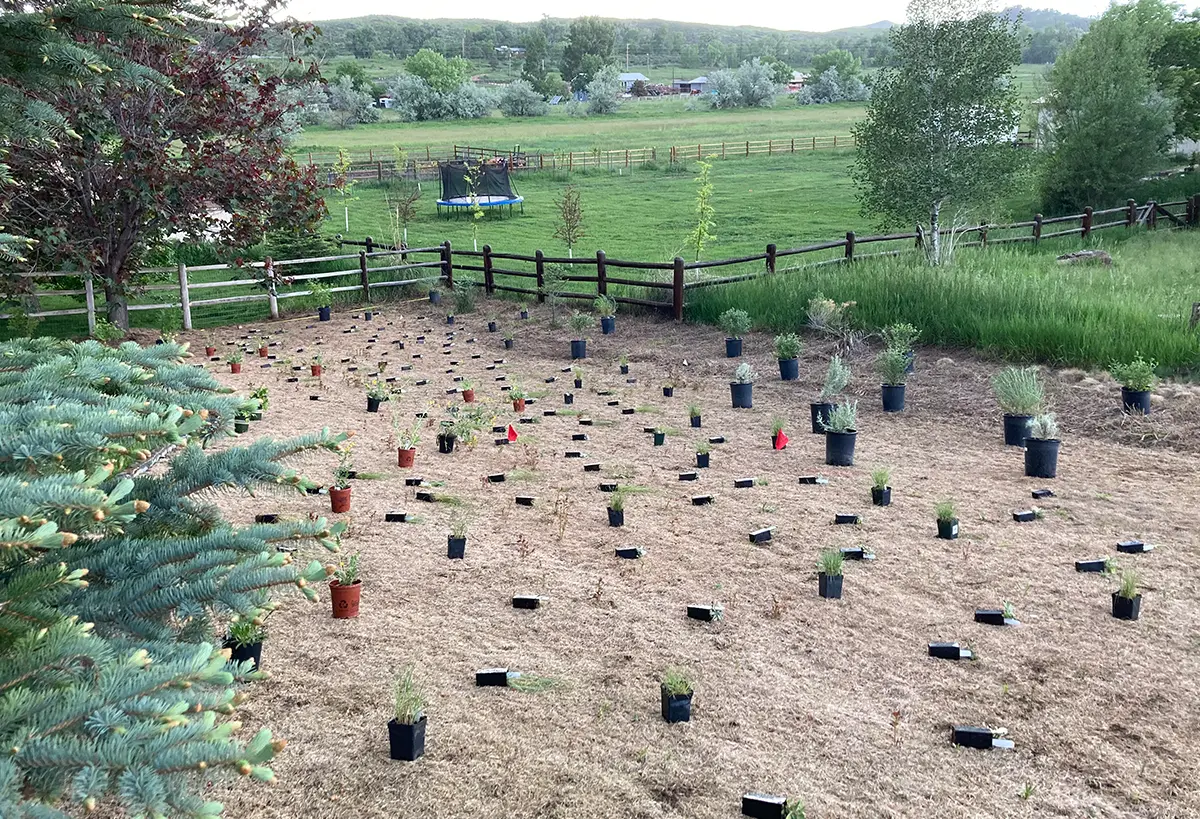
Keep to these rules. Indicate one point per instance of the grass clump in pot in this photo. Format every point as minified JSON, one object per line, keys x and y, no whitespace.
{"x":830,"y":563}
{"x":408,"y":701}
{"x":605,"y":305}
{"x":1018,"y":390}
{"x":677,"y":682}
{"x":1129,"y":585}
{"x":880,"y":477}
{"x":946,"y":511}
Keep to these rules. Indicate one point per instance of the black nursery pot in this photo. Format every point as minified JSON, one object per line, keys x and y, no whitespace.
{"x":893,"y":397}
{"x":676,"y":707}
{"x":1135,"y":402}
{"x":435,"y":297}
{"x":660,"y":438}
{"x":608,"y":325}
{"x":1124,"y":608}
{"x":789,"y":369}
{"x":445,"y":443}
{"x":881,"y":496}
{"x":668,"y":392}
{"x":491,"y":326}
{"x":239,"y":654}
{"x":1016,"y":429}
{"x":1041,"y":458}
{"x":241,"y":425}
{"x":568,"y":398}
{"x":829,"y":586}
{"x":579,"y":348}
{"x":323,"y":313}
{"x":820,"y":416}
{"x":948,"y":529}
{"x":616,"y":518}
{"x":695,"y":420}
{"x":406,"y":742}
{"x":733,"y":347}
{"x":911,"y":357}
{"x":456,"y":547}
{"x":742,"y":395}
{"x":839,"y":448}
{"x":624,"y":369}
{"x":508,"y":343}
{"x":373,"y":404}
{"x":368,"y":315}
{"x":702,"y":460}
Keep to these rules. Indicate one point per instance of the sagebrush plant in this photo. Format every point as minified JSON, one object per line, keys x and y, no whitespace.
{"x":830,"y":563}
{"x":892,"y":365}
{"x":1129,"y":584}
{"x":900,"y":336}
{"x":1044,"y":427}
{"x":843,"y":417}
{"x":744,"y":374}
{"x":828,"y":316}
{"x":787,"y":346}
{"x":880,"y":476}
{"x":735,"y":322}
{"x":605,"y":305}
{"x":836,"y":378}
{"x":1137,"y":375}
{"x":677,"y":682}
{"x":408,"y":701}
{"x":580,"y":323}
{"x":1018,"y":390}
{"x":946,"y":510}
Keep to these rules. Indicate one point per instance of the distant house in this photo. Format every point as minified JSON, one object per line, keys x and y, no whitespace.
{"x":799,"y":80}
{"x":510,"y":51}
{"x":695,"y":86}
{"x":627,"y":80}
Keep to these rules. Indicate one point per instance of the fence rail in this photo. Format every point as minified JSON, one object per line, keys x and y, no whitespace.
{"x":377,"y":266}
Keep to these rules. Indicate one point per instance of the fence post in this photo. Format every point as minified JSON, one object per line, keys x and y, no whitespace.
{"x":722,"y":150}
{"x":379,"y":167}
{"x":747,"y":147}
{"x":447,"y":264}
{"x":539,"y":266}
{"x":363,"y":280}
{"x":1191,"y":211}
{"x":89,"y":293}
{"x":770,"y":143}
{"x":793,"y":145}
{"x":370,"y":243}
{"x":269,"y":277}
{"x":677,"y":290}
{"x":601,"y":274}
{"x":488,"y":278}
{"x":771,"y":258}
{"x":983,"y":234}
{"x":185,"y":300}
{"x":1037,"y":227}
{"x":1130,"y":213}
{"x":814,"y":147}
{"x":1151,"y":215}
{"x":1085,"y":224}
{"x":849,"y":245}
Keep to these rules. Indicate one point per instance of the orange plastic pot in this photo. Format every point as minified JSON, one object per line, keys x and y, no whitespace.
{"x":262,"y":352}
{"x":316,"y":370}
{"x":519,"y":405}
{"x":345,"y":599}
{"x":405,"y":457}
{"x":469,"y":396}
{"x":339,"y":499}
{"x":235,"y":367}
{"x":210,"y":351}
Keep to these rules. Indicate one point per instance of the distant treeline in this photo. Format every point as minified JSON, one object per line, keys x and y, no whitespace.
{"x":649,"y":42}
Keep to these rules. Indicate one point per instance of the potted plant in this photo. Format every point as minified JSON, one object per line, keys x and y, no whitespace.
{"x":841,"y":432}
{"x":1137,"y":379}
{"x":322,"y":298}
{"x":435,"y":296}
{"x":623,"y":361}
{"x":1126,"y":602}
{"x":881,"y":492}
{"x":406,"y":728}
{"x":315,"y":366}
{"x":241,"y":420}
{"x":579,"y":323}
{"x":522,"y":309}
{"x":893,"y":368}
{"x":468,"y":391}
{"x":778,"y":439}
{"x":577,"y":373}
{"x":406,"y":440}
{"x":339,"y":493}
{"x":210,"y":346}
{"x":702,"y":453}
{"x":901,"y":337}
{"x":660,"y":436}
{"x":492,"y":326}
{"x":345,"y":590}
{"x":606,"y":307}
{"x":235,"y":361}
{"x":677,"y":690}
{"x":947,"y":520}
{"x":787,"y":350}
{"x":616,"y":508}
{"x":736,"y":323}
{"x":836,"y":379}
{"x":1041,"y":447}
{"x":446,"y":437}
{"x":245,"y":641}
{"x":694,"y":415}
{"x":508,"y":339}
{"x":829,"y":574}
{"x":517,"y":395}
{"x":1020,"y":394}
{"x":456,"y":541}
{"x":377,"y":393}
{"x":264,"y":345}
{"x":741,"y":388}
{"x":668,"y":389}
{"x":368,"y":313}
{"x":262,"y":396}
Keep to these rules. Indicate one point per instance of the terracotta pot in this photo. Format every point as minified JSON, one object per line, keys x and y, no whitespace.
{"x":316,"y":370}
{"x":235,"y":367}
{"x":345,"y":599}
{"x":519,"y":405}
{"x":469,"y":396}
{"x":210,"y":351}
{"x":339,"y":499}
{"x":406,"y":456}
{"x":262,"y":352}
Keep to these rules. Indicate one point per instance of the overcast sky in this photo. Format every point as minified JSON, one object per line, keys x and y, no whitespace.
{"x":808,"y":15}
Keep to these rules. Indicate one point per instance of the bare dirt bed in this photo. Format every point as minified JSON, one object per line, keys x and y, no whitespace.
{"x":832,"y":702}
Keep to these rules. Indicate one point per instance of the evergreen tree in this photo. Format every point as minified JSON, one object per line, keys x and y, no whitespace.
{"x":116,"y":575}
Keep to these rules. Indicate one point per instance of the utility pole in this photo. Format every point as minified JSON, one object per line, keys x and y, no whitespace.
{"x":464,"y":45}
{"x":627,"y":56}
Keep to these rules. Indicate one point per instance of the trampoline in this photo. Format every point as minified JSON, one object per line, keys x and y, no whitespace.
{"x":493,"y":189}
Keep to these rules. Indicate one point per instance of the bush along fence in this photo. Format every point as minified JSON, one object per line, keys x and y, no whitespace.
{"x":208,"y":289}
